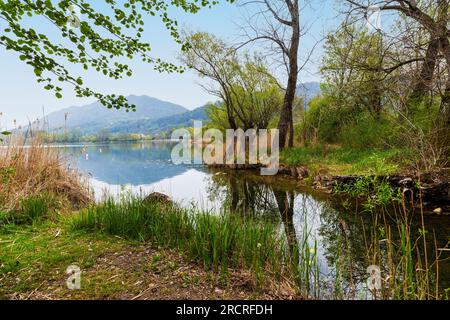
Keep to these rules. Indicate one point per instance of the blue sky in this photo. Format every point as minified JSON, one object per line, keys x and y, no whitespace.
{"x":22,"y":98}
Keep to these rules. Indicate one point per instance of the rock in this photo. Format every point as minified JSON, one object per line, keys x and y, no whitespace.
{"x":293,"y":172}
{"x":407,"y":182}
{"x":157,"y":197}
{"x":302,"y":172}
{"x":282,"y":170}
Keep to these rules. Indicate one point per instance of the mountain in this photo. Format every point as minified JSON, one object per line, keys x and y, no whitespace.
{"x":152,"y":116}
{"x":94,"y":117}
{"x":309,"y":90}
{"x":165,"y":124}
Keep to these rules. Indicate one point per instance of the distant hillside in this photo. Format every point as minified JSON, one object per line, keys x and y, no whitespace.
{"x":147,"y":126}
{"x":152,"y":116}
{"x":309,"y":90}
{"x":94,"y":117}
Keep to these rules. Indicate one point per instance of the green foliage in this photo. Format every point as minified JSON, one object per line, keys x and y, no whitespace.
{"x":94,"y":40}
{"x":355,"y":128}
{"x":375,"y":191}
{"x":371,"y":99}
{"x":380,"y":164}
{"x":217,"y":113}
{"x":6,"y":174}
{"x":367,"y":132}
{"x":4,"y":133}
{"x":322,"y":124}
{"x":250,"y":95}
{"x":34,"y":208}
{"x":351,"y":69}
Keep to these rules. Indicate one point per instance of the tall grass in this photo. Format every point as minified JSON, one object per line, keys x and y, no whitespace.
{"x":219,"y":242}
{"x":29,"y":170}
{"x":408,"y":271}
{"x":304,"y":262}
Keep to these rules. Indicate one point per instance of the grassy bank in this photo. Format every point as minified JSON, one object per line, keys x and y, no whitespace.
{"x":134,"y":249}
{"x":34,"y":259}
{"x":219,"y":243}
{"x":31,"y":172}
{"x":336,"y":160}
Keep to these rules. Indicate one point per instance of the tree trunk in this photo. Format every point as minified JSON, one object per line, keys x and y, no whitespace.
{"x":286,"y":120}
{"x":291,"y":133}
{"x":285,"y":202}
{"x":286,"y":113}
{"x":423,"y":84}
{"x":443,"y":116}
{"x":230,"y":116}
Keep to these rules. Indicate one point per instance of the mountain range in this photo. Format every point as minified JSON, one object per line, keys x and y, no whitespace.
{"x":152,"y":116}
{"x":308,"y":90}
{"x":95,"y":117}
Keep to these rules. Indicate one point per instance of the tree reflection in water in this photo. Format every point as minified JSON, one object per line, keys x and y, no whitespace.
{"x":349,"y":240}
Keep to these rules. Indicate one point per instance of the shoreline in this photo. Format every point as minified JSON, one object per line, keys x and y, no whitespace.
{"x":431,"y":189}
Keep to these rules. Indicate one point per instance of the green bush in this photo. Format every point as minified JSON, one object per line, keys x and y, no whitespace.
{"x":366,"y":132}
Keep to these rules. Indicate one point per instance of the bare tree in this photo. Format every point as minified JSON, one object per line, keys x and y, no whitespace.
{"x":280,"y":28}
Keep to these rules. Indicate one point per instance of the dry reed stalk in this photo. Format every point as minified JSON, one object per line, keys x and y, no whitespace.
{"x":34,"y":168}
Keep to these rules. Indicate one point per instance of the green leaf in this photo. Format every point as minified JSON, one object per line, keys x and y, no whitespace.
{"x":38,"y":71}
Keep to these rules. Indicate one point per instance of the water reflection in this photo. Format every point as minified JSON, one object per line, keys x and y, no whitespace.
{"x":346,"y":238}
{"x":127,"y":163}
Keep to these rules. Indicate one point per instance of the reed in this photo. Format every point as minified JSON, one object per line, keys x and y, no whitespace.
{"x":401,"y":250}
{"x":30,"y":170}
{"x":218,"y":242}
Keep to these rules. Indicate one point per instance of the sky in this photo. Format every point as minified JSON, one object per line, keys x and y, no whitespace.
{"x":24,"y":100}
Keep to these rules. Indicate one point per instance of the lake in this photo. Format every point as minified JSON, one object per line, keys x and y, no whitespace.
{"x":338,"y":227}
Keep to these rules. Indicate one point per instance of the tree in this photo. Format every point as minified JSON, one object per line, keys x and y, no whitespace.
{"x":210,"y":57}
{"x":281,"y":29}
{"x":353,"y":70}
{"x":250,"y":94}
{"x":103,"y":135}
{"x":92,"y":40}
{"x":433,"y":17}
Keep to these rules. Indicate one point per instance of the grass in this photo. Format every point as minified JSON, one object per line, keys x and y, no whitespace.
{"x":34,"y":259}
{"x":337,"y":160}
{"x":373,"y":191}
{"x":408,"y":271}
{"x":219,"y":243}
{"x":37,"y":255}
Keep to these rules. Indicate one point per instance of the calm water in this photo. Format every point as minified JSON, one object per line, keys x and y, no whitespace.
{"x":340,"y":231}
